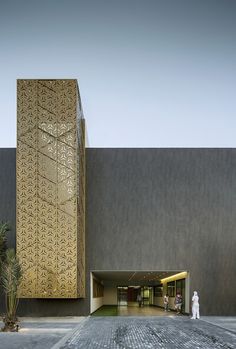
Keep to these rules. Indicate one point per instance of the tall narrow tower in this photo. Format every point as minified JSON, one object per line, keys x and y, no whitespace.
{"x":50,"y":189}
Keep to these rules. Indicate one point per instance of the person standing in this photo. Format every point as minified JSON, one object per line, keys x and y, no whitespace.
{"x":195,"y":306}
{"x":178,"y":302}
{"x":139,"y":299}
{"x":166,"y":302}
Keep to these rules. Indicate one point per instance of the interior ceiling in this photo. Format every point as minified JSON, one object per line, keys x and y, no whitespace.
{"x":133,"y":276}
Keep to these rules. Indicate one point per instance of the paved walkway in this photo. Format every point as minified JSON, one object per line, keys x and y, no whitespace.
{"x":143,"y":311}
{"x":113,"y":310}
{"x":122,"y":332}
{"x":38,"y":333}
{"x":147,"y":333}
{"x":226,"y":322}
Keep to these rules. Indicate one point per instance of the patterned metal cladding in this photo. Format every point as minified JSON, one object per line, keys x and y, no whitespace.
{"x":50,"y":189}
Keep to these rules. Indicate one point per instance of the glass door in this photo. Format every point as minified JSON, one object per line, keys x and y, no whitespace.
{"x":147,"y":295}
{"x":122,"y":295}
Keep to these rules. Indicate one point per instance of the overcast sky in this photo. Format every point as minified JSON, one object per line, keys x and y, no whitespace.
{"x":152,"y":73}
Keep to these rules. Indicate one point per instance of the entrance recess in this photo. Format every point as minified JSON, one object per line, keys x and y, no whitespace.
{"x":138,"y":292}
{"x":128,"y":295}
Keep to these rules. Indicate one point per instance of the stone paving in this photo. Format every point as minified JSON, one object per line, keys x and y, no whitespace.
{"x":226,"y":322}
{"x":38,"y":333}
{"x":148,"y":333}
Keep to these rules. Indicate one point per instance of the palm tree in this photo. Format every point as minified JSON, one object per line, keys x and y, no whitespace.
{"x":4,"y":227}
{"x":11,"y":277}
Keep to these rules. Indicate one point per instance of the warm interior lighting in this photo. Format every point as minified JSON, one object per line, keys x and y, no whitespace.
{"x":182,"y":274}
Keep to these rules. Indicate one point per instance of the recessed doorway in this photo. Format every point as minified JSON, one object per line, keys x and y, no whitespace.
{"x":134,"y":295}
{"x":138,"y":292}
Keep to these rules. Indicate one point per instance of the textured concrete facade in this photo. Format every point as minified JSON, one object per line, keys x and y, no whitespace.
{"x":152,"y":209}
{"x":166,"y":209}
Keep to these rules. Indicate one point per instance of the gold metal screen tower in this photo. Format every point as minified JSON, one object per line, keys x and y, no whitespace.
{"x":50,"y":189}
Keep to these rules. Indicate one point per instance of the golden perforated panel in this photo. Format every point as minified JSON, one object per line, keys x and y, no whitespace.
{"x":50,"y":189}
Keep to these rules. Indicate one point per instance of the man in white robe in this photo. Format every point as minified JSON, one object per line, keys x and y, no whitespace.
{"x":195,"y":306}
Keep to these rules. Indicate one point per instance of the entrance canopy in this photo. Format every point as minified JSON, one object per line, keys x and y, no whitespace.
{"x":134,"y":277}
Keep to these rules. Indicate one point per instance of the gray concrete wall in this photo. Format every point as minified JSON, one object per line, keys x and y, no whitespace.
{"x":8,"y":191}
{"x":166,"y":209}
{"x":8,"y":198}
{"x":151,"y":209}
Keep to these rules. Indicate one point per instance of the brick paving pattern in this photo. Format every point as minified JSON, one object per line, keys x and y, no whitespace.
{"x":149,"y":333}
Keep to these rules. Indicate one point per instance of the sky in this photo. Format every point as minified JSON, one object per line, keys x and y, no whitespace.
{"x":151,"y":73}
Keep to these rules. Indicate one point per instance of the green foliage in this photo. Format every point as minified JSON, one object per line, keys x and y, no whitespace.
{"x":11,"y":277}
{"x":4,"y":227}
{"x":11,"y":272}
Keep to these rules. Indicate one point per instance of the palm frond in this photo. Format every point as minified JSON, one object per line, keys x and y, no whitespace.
{"x":4,"y":227}
{"x":11,"y":278}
